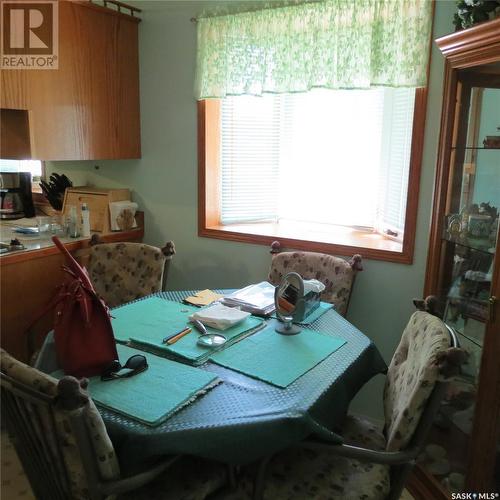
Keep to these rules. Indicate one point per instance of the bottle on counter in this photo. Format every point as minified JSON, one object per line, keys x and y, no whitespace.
{"x":85,"y":221}
{"x":73,"y":223}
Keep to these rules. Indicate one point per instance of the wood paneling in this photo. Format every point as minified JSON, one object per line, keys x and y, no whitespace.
{"x":15,"y":134}
{"x":14,"y":89}
{"x":472,"y":47}
{"x":89,"y":107}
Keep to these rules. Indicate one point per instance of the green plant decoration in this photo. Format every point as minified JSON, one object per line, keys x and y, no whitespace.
{"x":471,"y":12}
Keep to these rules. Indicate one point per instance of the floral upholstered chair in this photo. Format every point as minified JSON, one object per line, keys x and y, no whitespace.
{"x":65,"y":450}
{"x":335,"y":273}
{"x":122,"y":272}
{"x":370,"y":464}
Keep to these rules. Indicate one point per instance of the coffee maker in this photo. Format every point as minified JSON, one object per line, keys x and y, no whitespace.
{"x":16,"y":200}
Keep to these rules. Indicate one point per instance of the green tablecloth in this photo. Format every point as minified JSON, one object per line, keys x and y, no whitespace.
{"x":244,"y":419}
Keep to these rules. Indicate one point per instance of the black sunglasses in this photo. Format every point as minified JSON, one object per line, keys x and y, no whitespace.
{"x":135,"y":364}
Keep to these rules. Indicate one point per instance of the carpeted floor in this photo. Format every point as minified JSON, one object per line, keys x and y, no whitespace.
{"x":15,"y":485}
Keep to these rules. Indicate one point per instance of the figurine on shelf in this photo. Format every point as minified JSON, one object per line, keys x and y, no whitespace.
{"x":464,"y":219}
{"x":454,"y":226}
{"x":494,"y":231}
{"x":487,"y":209}
{"x":479,"y":226}
{"x":492,"y":142}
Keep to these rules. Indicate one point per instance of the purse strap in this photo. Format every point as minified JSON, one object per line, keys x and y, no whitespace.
{"x":77,"y":269}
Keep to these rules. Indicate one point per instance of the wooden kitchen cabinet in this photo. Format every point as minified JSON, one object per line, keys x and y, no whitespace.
{"x":88,"y":108}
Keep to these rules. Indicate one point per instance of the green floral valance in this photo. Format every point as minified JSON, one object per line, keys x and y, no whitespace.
{"x":332,"y":44}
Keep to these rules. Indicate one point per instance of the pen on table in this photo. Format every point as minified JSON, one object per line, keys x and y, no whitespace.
{"x":171,"y":339}
{"x":199,"y":326}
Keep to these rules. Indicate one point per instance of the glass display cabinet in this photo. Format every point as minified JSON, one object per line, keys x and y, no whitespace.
{"x":463,"y":267}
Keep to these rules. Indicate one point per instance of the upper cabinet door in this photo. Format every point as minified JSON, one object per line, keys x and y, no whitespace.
{"x":87,"y":109}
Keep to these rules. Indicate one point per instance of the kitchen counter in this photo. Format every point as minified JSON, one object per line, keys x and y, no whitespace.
{"x":31,"y":277}
{"x":38,"y":246}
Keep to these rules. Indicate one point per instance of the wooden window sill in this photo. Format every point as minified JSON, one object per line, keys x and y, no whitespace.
{"x":337,"y":240}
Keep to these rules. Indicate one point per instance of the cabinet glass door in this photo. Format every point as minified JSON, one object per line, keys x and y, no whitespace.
{"x":469,"y":249}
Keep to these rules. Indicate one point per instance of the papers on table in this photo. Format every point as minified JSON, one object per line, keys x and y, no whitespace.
{"x":255,"y":299}
{"x":203,"y":298}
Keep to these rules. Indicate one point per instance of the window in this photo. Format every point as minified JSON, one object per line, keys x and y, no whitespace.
{"x":309,"y":163}
{"x":326,"y":170}
{"x":33,"y":166}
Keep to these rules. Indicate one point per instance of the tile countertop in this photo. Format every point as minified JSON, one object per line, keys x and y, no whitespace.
{"x":38,"y":246}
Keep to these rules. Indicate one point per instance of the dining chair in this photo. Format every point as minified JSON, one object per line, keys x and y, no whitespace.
{"x":335,"y":273}
{"x":122,"y":272}
{"x":367,"y":463}
{"x":65,"y":450}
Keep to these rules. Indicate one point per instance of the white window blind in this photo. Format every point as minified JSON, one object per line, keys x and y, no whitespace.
{"x":398,"y":127}
{"x":327,"y":156}
{"x":250,"y":158}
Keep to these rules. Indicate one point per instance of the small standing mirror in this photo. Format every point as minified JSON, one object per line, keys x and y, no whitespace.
{"x":286,"y":297}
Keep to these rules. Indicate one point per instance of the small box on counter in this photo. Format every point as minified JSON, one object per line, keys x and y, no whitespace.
{"x":98,"y":202}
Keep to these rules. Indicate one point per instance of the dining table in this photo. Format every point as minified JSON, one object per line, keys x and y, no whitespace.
{"x":243,"y":419}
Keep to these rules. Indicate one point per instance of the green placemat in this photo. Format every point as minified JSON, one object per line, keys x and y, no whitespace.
{"x":153,"y":395}
{"x":318,"y":312}
{"x":186,"y":348}
{"x":278,"y":359}
{"x":145,"y":323}
{"x":152,"y":317}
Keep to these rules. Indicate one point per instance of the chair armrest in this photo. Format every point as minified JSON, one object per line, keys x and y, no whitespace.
{"x":131,"y":483}
{"x":364,"y":454}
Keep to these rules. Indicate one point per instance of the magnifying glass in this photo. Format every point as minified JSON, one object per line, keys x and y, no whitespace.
{"x":211,"y":340}
{"x":208,"y":339}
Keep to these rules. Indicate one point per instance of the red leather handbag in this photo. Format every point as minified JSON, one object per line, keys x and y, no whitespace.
{"x":83,"y":334}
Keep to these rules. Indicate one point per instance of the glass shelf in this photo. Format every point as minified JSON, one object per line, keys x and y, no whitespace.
{"x":482,"y":148}
{"x":480,"y":245}
{"x":462,"y":332}
{"x":460,"y":309}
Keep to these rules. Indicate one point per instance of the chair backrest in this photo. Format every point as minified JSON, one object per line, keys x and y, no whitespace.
{"x":335,"y":273}
{"x":122,"y":272}
{"x":425,"y":358}
{"x":57,"y":431}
